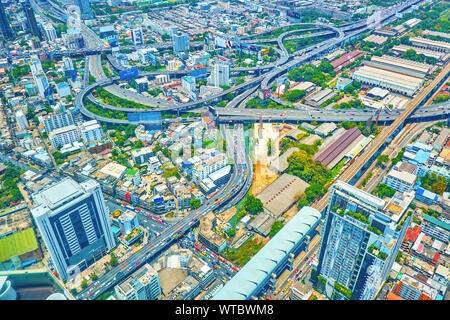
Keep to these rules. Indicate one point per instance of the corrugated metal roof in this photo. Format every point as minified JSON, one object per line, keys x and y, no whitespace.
{"x":244,"y":283}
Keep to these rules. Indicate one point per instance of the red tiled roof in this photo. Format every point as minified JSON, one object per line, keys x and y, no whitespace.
{"x":436,"y":257}
{"x":412,"y":234}
{"x":346,"y":59}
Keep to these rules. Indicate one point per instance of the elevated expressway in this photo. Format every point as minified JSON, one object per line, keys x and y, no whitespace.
{"x":239,"y":182}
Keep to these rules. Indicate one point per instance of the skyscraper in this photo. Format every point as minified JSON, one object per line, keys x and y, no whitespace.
{"x":85,"y":9}
{"x":50,"y":32}
{"x":180,"y":42}
{"x":74,"y":223}
{"x":360,"y":240}
{"x":31,"y":20}
{"x":4,"y":23}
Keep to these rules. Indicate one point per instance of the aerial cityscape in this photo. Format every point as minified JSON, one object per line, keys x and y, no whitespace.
{"x":224,"y":150}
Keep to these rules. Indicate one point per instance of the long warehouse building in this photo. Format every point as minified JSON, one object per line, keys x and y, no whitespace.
{"x":328,"y":155}
{"x":403,"y":66}
{"x":440,"y":56}
{"x":275,"y":257}
{"x":430,"y":44}
{"x":392,"y":81}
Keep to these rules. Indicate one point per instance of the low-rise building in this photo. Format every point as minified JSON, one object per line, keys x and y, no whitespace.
{"x":142,"y":155}
{"x":400,"y":180}
{"x":281,"y":194}
{"x":143,"y":284}
{"x":320,"y":97}
{"x":207,"y":235}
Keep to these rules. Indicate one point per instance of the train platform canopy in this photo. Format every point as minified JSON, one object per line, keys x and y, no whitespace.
{"x":254,"y":274}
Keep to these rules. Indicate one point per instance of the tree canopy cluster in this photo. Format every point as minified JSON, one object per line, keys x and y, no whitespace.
{"x":435,"y":183}
{"x":320,"y":75}
{"x":9,"y":192}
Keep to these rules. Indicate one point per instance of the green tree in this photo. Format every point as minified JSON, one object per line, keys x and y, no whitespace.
{"x":253,"y":204}
{"x":276,"y":226}
{"x":194,"y":203}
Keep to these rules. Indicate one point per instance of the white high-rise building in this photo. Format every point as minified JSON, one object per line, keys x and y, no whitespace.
{"x":180,"y":42}
{"x":50,"y":32}
{"x":64,"y":135}
{"x":57,"y":120}
{"x":21,"y":120}
{"x":68,"y":64}
{"x":74,"y":222}
{"x":143,"y":284}
{"x":42,"y":83}
{"x":220,"y":75}
{"x":91,"y":131}
{"x":35,"y":65}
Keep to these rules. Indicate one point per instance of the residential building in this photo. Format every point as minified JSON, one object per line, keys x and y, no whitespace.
{"x":143,"y":284}
{"x":188,"y":83}
{"x":21,"y":120}
{"x":64,"y":135}
{"x":207,"y":235}
{"x":63,"y":89}
{"x":73,"y":38}
{"x":180,"y":42}
{"x":50,"y":32}
{"x":360,"y":239}
{"x":204,"y":169}
{"x":142,"y":155}
{"x":91,"y":131}
{"x":400,"y":180}
{"x":220,"y":75}
{"x":57,"y":120}
{"x":42,"y":83}
{"x":74,"y":223}
{"x":141,"y":84}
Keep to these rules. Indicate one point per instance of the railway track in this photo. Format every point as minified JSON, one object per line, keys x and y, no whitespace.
{"x":354,"y":168}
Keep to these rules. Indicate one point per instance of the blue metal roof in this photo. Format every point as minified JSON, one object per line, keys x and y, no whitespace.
{"x":422,"y":156}
{"x":427,"y":194}
{"x":244,"y":283}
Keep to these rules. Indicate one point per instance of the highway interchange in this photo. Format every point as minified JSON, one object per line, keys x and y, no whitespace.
{"x":241,"y":178}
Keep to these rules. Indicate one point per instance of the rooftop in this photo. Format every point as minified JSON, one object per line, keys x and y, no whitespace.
{"x":244,"y":283}
{"x":58,"y":194}
{"x":282,"y":193}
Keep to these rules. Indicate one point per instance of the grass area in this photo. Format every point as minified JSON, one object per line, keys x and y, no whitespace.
{"x":17,"y":244}
{"x":337,"y":168}
{"x":245,"y":252}
{"x":108,"y":98}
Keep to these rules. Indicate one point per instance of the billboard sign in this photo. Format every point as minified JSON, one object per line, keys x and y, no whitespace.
{"x":264,"y":51}
{"x":129,"y":73}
